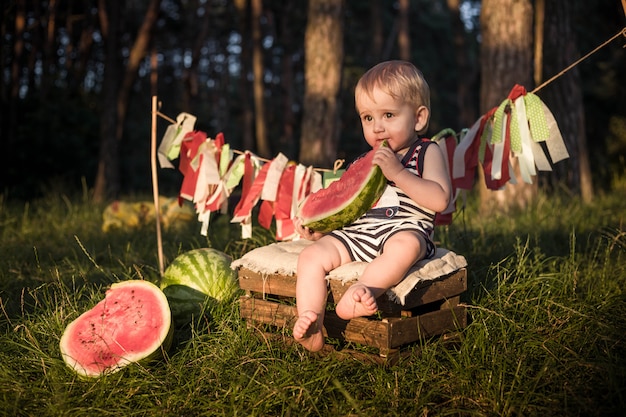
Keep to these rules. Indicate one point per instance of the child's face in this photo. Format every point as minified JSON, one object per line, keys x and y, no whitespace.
{"x":385,"y":118}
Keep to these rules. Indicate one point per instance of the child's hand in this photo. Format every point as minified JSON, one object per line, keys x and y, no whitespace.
{"x":388,"y":162}
{"x":305,"y":232}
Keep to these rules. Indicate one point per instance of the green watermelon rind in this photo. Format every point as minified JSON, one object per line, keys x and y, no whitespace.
{"x":154,"y":352}
{"x":187,"y":304}
{"x":206,"y":270}
{"x":371,"y":190}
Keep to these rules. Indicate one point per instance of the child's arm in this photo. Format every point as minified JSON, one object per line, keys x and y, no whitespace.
{"x":432,"y":191}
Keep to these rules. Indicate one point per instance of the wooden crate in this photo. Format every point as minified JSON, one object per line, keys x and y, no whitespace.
{"x":432,"y":308}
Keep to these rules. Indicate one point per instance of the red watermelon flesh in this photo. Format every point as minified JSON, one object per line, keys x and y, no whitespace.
{"x":346,"y":199}
{"x":131,"y":324}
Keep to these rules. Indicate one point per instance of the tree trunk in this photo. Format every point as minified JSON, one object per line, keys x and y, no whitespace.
{"x":42,"y":49}
{"x":262,"y":145}
{"x":323,"y":45}
{"x":8,"y":117}
{"x":289,"y":41}
{"x":404,"y":35}
{"x":540,"y":18}
{"x":247,"y":112}
{"x":107,"y":183}
{"x":506,"y":60}
{"x":137,"y":53}
{"x":115,"y":101}
{"x":466,"y":114}
{"x":190,"y":75}
{"x":376,"y":29}
{"x":564,"y":98}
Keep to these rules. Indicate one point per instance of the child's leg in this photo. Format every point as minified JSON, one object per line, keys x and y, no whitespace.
{"x":400,"y":252}
{"x":314,"y":262}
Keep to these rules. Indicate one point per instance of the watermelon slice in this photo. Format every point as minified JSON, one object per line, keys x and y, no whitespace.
{"x":346,"y":199}
{"x":133,"y":323}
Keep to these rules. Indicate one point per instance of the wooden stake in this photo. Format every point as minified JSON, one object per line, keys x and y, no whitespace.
{"x":155,"y":184}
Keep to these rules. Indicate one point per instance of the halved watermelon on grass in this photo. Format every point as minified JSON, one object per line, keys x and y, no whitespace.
{"x":133,"y":323}
{"x":346,"y":199}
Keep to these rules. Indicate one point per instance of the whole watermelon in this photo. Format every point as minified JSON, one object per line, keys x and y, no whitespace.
{"x":132,"y":324}
{"x":195,"y":277}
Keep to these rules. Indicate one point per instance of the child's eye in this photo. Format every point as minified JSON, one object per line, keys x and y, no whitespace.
{"x":367,"y":118}
{"x":388,"y":115}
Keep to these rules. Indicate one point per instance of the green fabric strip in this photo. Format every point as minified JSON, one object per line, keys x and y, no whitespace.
{"x":536,"y":117}
{"x":498,"y":119}
{"x":516,"y":137}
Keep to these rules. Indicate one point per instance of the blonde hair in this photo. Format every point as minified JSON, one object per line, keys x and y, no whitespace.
{"x":401,"y":80}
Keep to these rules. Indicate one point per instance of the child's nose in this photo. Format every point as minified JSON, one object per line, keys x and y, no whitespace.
{"x":378,"y":126}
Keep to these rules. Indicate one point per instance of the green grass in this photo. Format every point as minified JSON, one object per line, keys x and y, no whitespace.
{"x":547,"y":332}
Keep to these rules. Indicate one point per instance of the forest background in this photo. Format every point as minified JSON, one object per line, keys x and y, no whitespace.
{"x":278,"y":76}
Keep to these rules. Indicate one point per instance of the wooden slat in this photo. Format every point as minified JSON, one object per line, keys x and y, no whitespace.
{"x":386,"y":334}
{"x":450,"y":302}
{"x":438,"y":305}
{"x":276,"y":284}
{"x":267,"y":312}
{"x":374,"y":333}
{"x":436,"y":290}
{"x":412,"y":329}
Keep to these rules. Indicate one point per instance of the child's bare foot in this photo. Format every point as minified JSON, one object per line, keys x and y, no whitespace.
{"x":308,"y":331}
{"x":358,"y":301}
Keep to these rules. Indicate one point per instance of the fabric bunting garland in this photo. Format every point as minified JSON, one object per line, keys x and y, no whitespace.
{"x":514,"y":129}
{"x":211,"y":172}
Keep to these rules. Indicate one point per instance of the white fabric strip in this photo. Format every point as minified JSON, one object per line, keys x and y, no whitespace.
{"x":270,"y":187}
{"x":498,"y":152}
{"x":555,"y":144}
{"x":458,"y":165}
{"x":525,"y":158}
{"x":299,"y":177}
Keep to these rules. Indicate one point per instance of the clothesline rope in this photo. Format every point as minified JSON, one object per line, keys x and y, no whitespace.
{"x":622,"y":32}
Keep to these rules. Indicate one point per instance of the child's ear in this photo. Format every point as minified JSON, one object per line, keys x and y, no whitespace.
{"x":421,"y":118}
